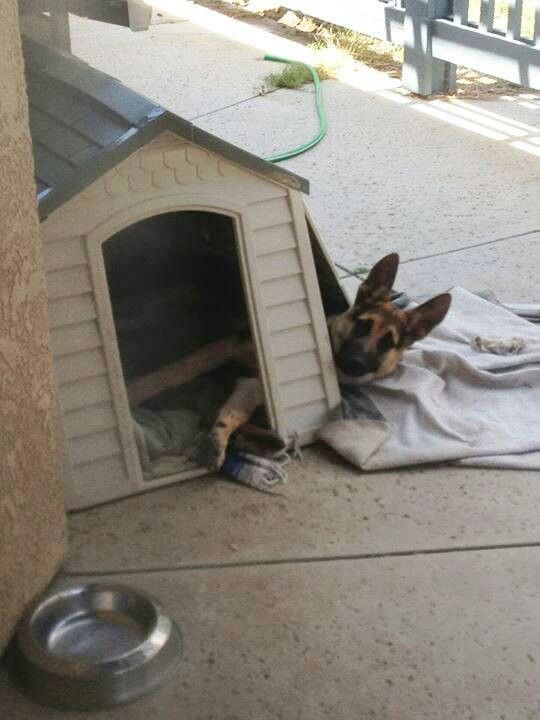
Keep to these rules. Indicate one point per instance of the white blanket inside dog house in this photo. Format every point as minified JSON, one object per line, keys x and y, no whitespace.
{"x":451,"y":401}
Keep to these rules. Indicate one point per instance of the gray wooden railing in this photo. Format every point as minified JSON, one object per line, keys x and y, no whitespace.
{"x":438,"y":35}
{"x":452,"y":38}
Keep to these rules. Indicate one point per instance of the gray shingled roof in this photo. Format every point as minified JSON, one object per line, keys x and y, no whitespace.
{"x":84,"y":122}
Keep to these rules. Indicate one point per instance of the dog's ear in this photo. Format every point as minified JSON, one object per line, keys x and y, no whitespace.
{"x":378,"y":284}
{"x":422,"y":320}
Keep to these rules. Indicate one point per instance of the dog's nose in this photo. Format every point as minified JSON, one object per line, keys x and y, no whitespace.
{"x":356,"y":366}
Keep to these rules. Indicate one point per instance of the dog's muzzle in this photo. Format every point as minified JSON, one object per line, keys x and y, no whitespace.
{"x":356,"y":364}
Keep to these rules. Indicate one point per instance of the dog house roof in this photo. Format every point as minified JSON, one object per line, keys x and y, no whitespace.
{"x":84,"y":122}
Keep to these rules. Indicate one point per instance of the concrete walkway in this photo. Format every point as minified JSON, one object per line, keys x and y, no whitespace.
{"x":393,"y":173}
{"x":397,"y":595}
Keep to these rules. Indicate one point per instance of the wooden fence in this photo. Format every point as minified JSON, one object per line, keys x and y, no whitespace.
{"x":500,"y":38}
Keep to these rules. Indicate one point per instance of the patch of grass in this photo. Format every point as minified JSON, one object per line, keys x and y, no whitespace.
{"x":294,"y":76}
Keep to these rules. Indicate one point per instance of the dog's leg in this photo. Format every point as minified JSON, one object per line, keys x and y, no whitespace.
{"x":258,"y":441}
{"x":207,"y":358}
{"x":247,"y":397}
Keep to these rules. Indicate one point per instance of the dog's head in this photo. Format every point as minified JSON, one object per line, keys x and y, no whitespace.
{"x":368,"y":340}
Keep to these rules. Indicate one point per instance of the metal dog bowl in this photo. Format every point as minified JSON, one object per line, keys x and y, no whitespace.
{"x":93,"y":646}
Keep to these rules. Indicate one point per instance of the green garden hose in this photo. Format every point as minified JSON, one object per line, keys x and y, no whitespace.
{"x":318,"y":105}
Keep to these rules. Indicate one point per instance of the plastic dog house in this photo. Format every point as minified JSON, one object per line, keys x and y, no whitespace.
{"x":107,"y":158}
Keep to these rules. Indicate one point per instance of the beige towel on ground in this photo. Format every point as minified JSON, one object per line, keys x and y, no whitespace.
{"x":450,"y":402}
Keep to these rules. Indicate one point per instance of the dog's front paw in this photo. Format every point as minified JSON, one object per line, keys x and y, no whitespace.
{"x":207,"y":450}
{"x":265,"y":443}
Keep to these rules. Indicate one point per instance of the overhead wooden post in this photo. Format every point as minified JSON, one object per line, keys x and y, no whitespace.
{"x":422,"y":73}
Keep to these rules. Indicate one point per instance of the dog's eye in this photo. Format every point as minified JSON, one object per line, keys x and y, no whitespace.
{"x":363,"y":328}
{"x":386,"y":343}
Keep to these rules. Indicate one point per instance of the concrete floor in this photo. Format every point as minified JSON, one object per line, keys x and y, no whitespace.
{"x":393,"y":173}
{"x":395,"y":595}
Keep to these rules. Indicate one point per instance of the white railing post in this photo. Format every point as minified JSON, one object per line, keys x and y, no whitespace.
{"x":487,"y":15}
{"x":422,"y":73}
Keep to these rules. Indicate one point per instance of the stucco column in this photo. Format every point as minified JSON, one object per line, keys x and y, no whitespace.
{"x":32,"y":521}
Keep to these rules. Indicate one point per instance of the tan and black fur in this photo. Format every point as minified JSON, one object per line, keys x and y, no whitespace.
{"x":368,"y":341}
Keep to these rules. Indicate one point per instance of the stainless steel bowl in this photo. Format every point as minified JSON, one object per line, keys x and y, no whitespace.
{"x":92,"y":646}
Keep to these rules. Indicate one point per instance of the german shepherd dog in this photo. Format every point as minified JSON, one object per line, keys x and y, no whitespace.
{"x":368,"y":341}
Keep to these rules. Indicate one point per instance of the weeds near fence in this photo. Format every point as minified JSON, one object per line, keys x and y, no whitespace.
{"x":335,"y":48}
{"x":377,"y":54}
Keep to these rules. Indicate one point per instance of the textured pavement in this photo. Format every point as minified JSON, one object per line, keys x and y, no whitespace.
{"x":387,"y":596}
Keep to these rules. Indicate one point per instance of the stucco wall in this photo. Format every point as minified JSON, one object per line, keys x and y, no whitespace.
{"x":53,"y":30}
{"x":32,"y":530}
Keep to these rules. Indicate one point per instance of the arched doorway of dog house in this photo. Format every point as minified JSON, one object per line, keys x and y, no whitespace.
{"x":176,"y":286}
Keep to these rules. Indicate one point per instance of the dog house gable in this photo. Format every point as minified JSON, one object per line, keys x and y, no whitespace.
{"x":169,"y":166}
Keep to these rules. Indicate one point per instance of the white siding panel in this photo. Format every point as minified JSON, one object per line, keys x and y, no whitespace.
{"x":88,"y":363}
{"x":71,"y":281}
{"x":297,"y":366}
{"x":95,"y":447}
{"x":64,"y":253}
{"x":74,"y":338}
{"x":82,"y":393}
{"x":273,"y":239}
{"x":283,"y":291}
{"x":74,"y":309}
{"x":279,"y":265}
{"x":306,"y":417}
{"x":290,"y":342}
{"x":302,"y":392}
{"x":100,"y":481}
{"x":269,"y":213}
{"x":85,"y":421}
{"x":282,"y":317}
